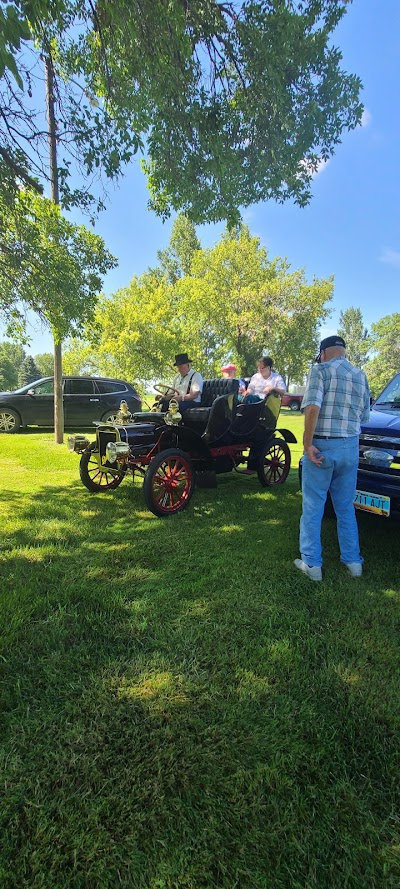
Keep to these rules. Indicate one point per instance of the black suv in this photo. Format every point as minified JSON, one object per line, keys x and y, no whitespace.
{"x":85,"y":399}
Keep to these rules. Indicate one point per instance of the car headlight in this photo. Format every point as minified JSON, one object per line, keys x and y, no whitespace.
{"x":77,"y":443}
{"x":378,"y":457}
{"x":116,"y":450}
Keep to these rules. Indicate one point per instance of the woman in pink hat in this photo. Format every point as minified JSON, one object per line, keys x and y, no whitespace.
{"x":229,"y":371}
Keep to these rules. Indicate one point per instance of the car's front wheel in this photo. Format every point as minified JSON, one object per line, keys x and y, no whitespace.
{"x":9,"y":420}
{"x":169,"y":482}
{"x":294,"y":406}
{"x":274,"y":465}
{"x":97,"y":476}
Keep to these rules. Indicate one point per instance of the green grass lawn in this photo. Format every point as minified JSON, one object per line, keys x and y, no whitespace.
{"x":180,"y":708}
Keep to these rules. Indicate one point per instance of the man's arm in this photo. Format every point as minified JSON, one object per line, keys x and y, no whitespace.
{"x":311,"y":413}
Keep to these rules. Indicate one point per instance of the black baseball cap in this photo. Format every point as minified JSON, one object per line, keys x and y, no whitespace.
{"x":328,"y":342}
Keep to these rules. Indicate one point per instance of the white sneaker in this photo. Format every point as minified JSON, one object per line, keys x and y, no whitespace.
{"x":313,"y":572}
{"x":355,"y":568}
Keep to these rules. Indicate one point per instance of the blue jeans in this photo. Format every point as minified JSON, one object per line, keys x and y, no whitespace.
{"x":338,"y":475}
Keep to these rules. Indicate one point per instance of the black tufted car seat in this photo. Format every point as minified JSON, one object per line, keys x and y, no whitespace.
{"x":212,"y":389}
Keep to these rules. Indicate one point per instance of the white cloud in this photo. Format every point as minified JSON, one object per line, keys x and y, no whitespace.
{"x":366,"y":118}
{"x":391,"y":257}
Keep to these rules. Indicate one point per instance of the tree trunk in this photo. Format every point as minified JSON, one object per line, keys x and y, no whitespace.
{"x":58,"y":396}
{"x":55,"y":196}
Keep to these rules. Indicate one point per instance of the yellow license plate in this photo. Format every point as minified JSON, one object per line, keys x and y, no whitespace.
{"x":372,"y":503}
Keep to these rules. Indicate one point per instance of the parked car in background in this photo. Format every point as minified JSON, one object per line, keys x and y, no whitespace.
{"x":85,"y":399}
{"x":292,"y":401}
{"x":378,"y":478}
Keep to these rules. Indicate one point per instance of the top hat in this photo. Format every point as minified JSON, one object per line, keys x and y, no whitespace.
{"x":182,"y":358}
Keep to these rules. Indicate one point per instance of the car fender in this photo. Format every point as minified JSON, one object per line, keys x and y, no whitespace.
{"x":287,"y":435}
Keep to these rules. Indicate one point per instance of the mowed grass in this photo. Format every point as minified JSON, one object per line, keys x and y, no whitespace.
{"x":180,"y":708}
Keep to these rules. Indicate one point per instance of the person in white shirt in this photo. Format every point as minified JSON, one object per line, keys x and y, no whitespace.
{"x":187,"y":382}
{"x":265,"y":381}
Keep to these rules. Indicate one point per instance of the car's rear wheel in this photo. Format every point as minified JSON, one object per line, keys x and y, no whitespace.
{"x":274,"y":464}
{"x":169,"y":482}
{"x":96,"y":476}
{"x":294,"y":406}
{"x":9,"y":420}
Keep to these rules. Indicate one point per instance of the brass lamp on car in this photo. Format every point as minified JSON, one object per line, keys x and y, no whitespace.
{"x":77,"y":443}
{"x":173,"y":415}
{"x":117,"y":452}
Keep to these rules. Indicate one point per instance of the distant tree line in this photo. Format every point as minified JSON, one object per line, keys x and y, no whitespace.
{"x":18,"y":369}
{"x":228,"y":302}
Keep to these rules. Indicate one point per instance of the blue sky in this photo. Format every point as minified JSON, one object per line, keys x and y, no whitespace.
{"x":351,"y":228}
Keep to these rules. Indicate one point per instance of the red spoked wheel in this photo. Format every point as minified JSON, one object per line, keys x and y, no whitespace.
{"x":96,"y":476}
{"x":274,"y":463}
{"x":169,"y":482}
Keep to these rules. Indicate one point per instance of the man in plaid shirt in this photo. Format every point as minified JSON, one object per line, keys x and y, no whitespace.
{"x":335,"y":402}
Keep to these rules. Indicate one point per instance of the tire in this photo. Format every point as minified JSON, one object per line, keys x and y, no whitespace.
{"x":9,"y":421}
{"x":169,"y":483}
{"x":274,"y":463}
{"x":95,"y":477}
{"x":111,"y":417}
{"x":294,"y":406}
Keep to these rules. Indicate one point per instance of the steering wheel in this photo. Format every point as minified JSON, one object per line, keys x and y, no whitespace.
{"x":166,"y":391}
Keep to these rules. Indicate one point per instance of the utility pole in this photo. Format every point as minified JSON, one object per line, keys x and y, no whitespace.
{"x":55,"y":196}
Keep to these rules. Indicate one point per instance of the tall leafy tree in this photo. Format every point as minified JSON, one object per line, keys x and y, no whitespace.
{"x":176,"y":260}
{"x":11,"y":357}
{"x":251,"y":304}
{"x":236,"y":302}
{"x":45,"y":363}
{"x":49,"y":265}
{"x":8,"y":375}
{"x":28,"y":371}
{"x":233,"y":102}
{"x":355,"y":335}
{"x":385,"y":340}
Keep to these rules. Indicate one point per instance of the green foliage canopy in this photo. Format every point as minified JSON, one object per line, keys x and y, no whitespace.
{"x":232,"y":103}
{"x":236,"y":303}
{"x":49,"y":265}
{"x":385,"y":339}
{"x":355,"y":335}
{"x":28,"y":371}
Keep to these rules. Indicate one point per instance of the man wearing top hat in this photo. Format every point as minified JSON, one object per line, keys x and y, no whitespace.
{"x":335,"y":402}
{"x":188,"y":383}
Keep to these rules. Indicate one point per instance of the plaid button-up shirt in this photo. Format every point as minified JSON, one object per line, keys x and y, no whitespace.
{"x":342,"y":394}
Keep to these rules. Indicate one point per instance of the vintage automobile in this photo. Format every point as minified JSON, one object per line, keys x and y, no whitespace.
{"x":172,"y":452}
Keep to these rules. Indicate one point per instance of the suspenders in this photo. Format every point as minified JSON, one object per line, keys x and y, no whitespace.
{"x":190,"y":383}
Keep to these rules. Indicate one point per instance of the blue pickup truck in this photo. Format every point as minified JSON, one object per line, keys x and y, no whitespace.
{"x":378,"y":480}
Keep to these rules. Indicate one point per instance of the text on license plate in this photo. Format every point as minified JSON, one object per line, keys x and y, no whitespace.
{"x":372,"y":503}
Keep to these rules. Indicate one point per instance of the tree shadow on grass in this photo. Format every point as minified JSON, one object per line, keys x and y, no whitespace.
{"x":182,"y":710}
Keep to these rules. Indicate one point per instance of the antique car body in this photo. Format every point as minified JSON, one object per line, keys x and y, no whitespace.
{"x":172,"y":452}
